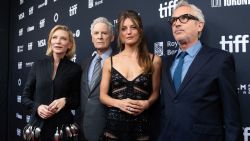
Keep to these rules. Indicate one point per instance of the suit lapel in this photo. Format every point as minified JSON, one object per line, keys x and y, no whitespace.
{"x":84,"y":79}
{"x":169,"y":85}
{"x":200,"y":60}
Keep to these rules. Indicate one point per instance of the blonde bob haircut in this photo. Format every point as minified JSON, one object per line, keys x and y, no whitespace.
{"x":70,"y":52}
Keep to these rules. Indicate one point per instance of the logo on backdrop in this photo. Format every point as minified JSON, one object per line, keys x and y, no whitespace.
{"x":172,"y":47}
{"x":21,"y":2}
{"x":19,"y":65}
{"x":93,"y":3}
{"x":19,"y":82}
{"x":20,"y":33}
{"x":27,"y":118}
{"x":18,"y":132}
{"x":31,"y":10}
{"x":246,"y":133}
{"x":56,"y":16}
{"x":19,"y":116}
{"x":43,"y":4}
{"x":30,"y":45}
{"x":41,"y":43}
{"x":30,"y":28}
{"x":158,"y":48}
{"x":227,"y":3}
{"x":166,"y":8}
{"x":77,"y":33}
{"x":21,"y":16}
{"x":73,"y":58}
{"x":42,"y":23}
{"x":29,"y":64}
{"x":72,"y":10}
{"x":235,"y":44}
{"x":244,"y":89}
{"x":19,"y":48}
{"x":18,"y":99}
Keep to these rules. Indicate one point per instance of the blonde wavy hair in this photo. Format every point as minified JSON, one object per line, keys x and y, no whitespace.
{"x":70,"y":53}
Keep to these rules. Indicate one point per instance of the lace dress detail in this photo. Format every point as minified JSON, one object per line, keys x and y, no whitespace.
{"x":119,"y":122}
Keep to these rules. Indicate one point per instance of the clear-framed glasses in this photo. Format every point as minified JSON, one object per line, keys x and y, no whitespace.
{"x":182,"y":18}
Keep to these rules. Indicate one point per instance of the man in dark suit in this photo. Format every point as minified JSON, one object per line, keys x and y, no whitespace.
{"x":198,"y":85}
{"x":92,"y":113}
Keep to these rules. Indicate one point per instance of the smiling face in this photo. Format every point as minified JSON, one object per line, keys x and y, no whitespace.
{"x":129,"y":33}
{"x":60,"y":42}
{"x":101,"y":37}
{"x":186,"y":33}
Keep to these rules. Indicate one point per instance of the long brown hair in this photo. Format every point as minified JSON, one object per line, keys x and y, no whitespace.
{"x":144,"y":60}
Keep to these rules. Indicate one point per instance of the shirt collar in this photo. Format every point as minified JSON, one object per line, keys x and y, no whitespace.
{"x":192,"y":51}
{"x":105,"y":55}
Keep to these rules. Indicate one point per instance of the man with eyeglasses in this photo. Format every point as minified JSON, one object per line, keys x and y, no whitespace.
{"x":198,"y":94}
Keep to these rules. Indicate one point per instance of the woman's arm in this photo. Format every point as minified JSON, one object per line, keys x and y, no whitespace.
{"x":156,"y":75}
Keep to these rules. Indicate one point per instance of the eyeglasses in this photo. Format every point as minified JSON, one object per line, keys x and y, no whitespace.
{"x":182,"y":18}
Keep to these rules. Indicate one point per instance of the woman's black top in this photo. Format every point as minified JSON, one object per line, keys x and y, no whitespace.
{"x":119,"y":122}
{"x":41,"y":89}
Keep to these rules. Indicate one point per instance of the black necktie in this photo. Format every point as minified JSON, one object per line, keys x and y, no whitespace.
{"x":96,"y":73}
{"x":178,"y":71}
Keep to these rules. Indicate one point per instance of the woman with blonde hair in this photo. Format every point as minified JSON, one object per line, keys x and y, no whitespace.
{"x":52,"y":87}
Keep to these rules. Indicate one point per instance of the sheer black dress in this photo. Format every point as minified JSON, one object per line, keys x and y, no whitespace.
{"x":121,"y":126}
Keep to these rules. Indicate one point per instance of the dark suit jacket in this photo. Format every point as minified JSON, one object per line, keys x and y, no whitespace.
{"x":92,"y":111}
{"x":41,"y":89}
{"x":206,"y":107}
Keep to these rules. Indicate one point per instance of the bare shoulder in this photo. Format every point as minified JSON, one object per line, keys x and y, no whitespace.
{"x":107,"y":63}
{"x":156,"y":59}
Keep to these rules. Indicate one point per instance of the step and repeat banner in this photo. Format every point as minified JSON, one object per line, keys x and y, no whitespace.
{"x":227,"y":28}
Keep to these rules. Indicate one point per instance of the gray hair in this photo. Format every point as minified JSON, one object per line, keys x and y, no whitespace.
{"x":102,"y":20}
{"x":197,"y":10}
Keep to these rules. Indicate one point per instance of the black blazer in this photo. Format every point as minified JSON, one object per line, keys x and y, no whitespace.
{"x":206,"y":107}
{"x":41,"y":89}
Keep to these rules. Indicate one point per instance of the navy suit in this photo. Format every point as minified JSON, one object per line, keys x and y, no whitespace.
{"x":206,"y":107}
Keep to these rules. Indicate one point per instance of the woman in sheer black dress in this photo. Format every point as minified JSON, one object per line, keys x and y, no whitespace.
{"x":130,"y":83}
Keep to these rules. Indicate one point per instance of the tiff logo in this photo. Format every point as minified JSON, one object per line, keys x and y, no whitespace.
{"x":158,"y":48}
{"x":166,"y":8}
{"x":72,"y":10}
{"x":215,"y":3}
{"x":234,"y":44}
